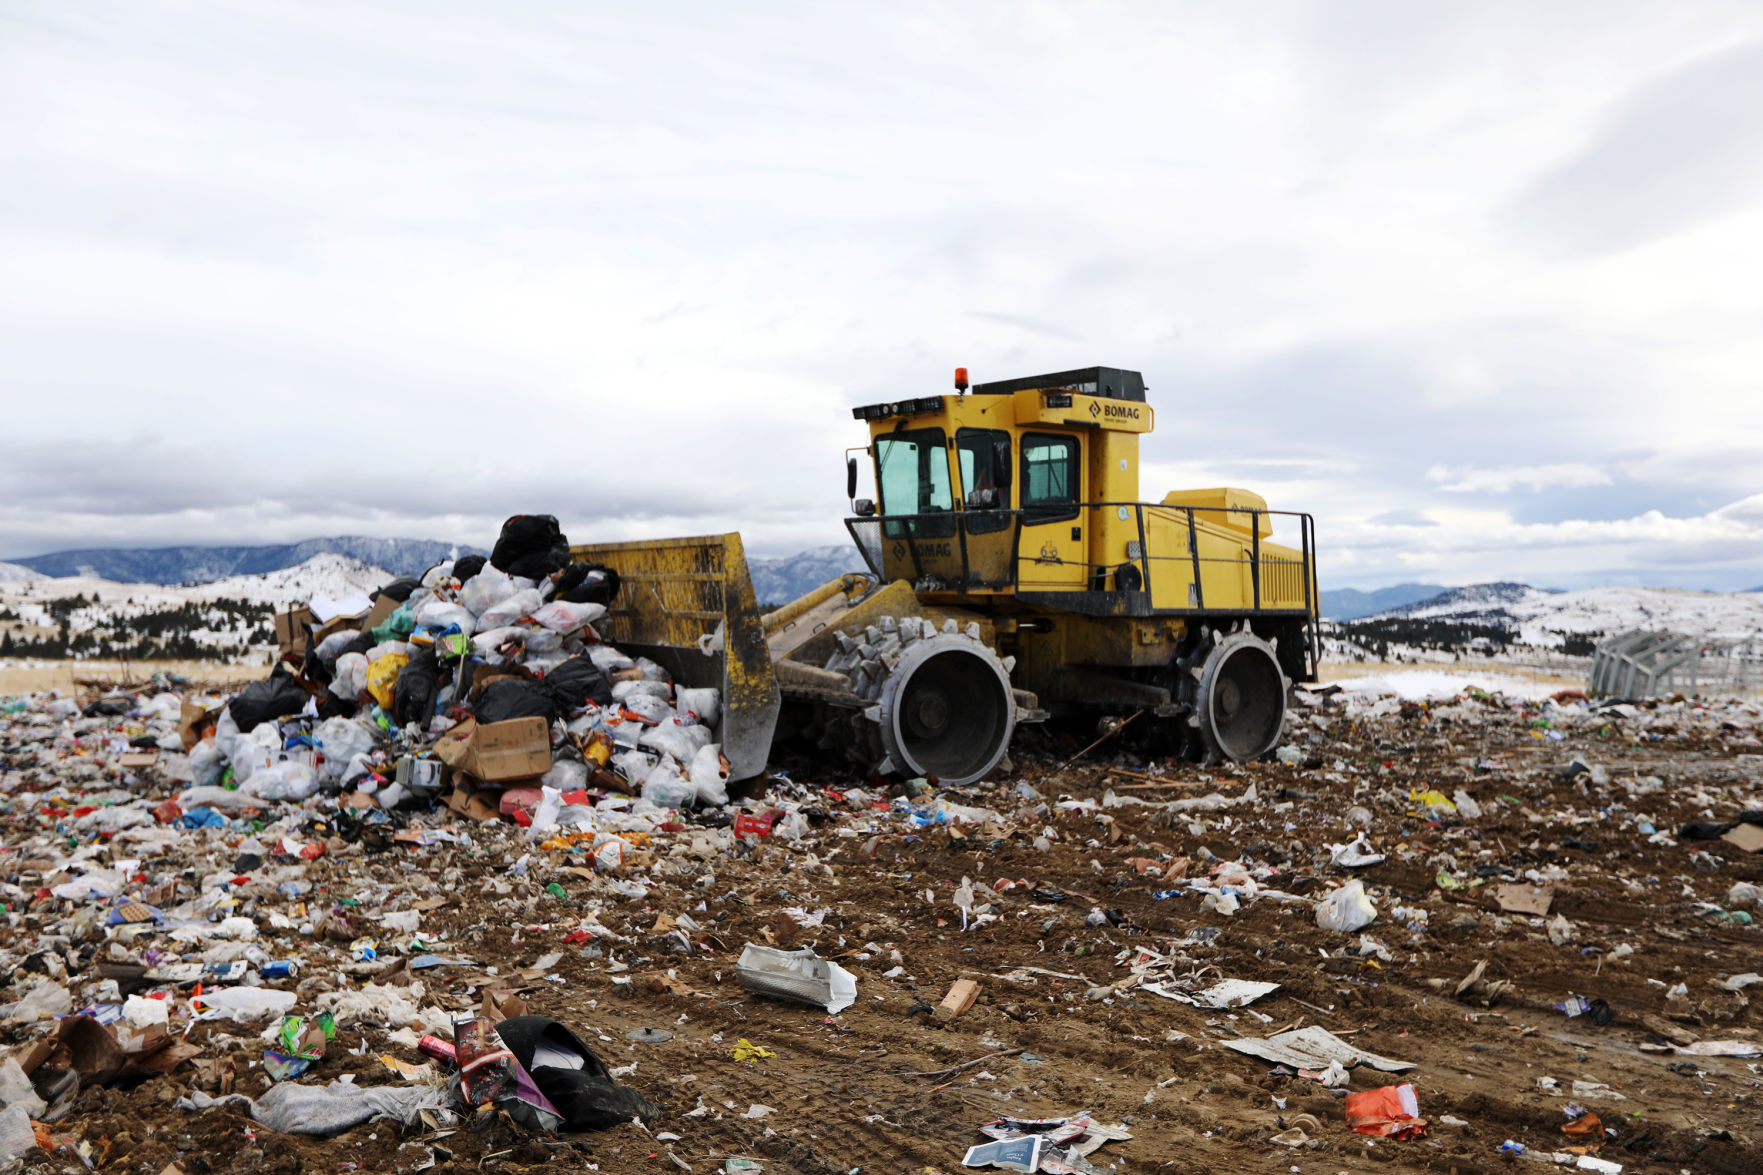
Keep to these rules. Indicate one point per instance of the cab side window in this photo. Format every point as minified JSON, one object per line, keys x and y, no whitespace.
{"x":1049,"y":478}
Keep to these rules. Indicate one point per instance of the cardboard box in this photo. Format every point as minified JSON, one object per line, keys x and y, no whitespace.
{"x":290,"y":630}
{"x":478,"y":805}
{"x":1524,"y":899}
{"x":194,"y":722}
{"x":517,"y":749}
{"x":135,"y":760}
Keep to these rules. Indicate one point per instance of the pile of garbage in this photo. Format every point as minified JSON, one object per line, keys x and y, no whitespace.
{"x":487,"y":676}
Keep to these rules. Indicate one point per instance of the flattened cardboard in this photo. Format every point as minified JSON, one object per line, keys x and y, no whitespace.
{"x":519,"y":748}
{"x":290,"y":629}
{"x":133,"y":760}
{"x":1524,"y":899}
{"x":1748,"y":837}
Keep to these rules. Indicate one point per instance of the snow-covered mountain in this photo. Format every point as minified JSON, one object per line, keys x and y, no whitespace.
{"x":780,"y":580}
{"x":1542,"y":619}
{"x":12,"y":572}
{"x":192,"y":565}
{"x":49,"y":616}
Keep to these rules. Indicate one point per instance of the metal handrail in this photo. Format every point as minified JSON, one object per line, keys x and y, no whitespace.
{"x":957,"y":522}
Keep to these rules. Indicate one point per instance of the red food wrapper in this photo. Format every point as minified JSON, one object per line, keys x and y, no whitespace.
{"x":483,"y":1061}
{"x":750,"y":825}
{"x":168,"y":812}
{"x":1390,"y":1112}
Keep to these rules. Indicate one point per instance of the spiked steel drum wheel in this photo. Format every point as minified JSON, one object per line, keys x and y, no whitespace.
{"x":947,"y":709}
{"x":1238,"y":696}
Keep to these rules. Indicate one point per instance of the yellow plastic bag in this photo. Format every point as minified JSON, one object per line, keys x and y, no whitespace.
{"x":382,"y":677}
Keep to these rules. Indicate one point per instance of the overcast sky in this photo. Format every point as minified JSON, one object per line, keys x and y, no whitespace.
{"x":1479,"y":285}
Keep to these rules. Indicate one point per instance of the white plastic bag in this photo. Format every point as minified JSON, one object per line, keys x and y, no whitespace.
{"x":621,"y":690}
{"x":633,"y":765}
{"x":647,"y":706}
{"x":566,"y":775}
{"x":562,"y":616}
{"x":286,"y":780}
{"x":439,"y":614}
{"x":708,"y":777}
{"x":332,"y":646}
{"x":682,"y":742}
{"x":609,"y":660}
{"x":341,"y":739}
{"x":1346,"y":909}
{"x":516,"y":607}
{"x":703,"y":702}
{"x":665,"y":787}
{"x":207,"y":764}
{"x":490,"y":587}
{"x":350,"y":677}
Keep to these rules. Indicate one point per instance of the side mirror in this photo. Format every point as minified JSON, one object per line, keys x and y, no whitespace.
{"x":850,"y":477}
{"x":1001,"y":464}
{"x":864,"y":507}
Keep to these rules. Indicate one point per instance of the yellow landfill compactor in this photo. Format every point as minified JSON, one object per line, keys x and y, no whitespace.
{"x":1014,"y":574}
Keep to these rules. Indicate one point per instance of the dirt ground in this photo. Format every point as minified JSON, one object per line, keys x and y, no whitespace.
{"x":884,"y":1087}
{"x":25,"y":675}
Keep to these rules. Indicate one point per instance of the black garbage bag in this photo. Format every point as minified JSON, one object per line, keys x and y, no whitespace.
{"x":531,"y":545}
{"x":575,"y":683}
{"x":468,"y":566}
{"x":413,"y":698}
{"x":586,"y":583}
{"x":276,"y":696}
{"x":575,"y":1080}
{"x":399,"y":589}
{"x":513,"y":698}
{"x":361,"y":644}
{"x":108,"y":708}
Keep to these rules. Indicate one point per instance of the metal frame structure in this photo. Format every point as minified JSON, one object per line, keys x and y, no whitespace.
{"x":1645,"y":663}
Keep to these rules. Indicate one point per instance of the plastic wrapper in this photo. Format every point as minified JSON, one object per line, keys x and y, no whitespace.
{"x":800,"y":975}
{"x":1346,"y":909}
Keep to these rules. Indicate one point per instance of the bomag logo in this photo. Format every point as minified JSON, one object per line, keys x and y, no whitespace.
{"x":926,"y":550}
{"x":1120,"y":411}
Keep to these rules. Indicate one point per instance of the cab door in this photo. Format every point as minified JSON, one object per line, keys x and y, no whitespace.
{"x":1051,"y":553}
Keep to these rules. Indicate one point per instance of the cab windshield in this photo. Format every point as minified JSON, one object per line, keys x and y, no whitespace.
{"x":913,"y":472}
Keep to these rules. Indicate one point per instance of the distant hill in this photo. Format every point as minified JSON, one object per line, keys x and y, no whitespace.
{"x":191,"y":565}
{"x":780,"y":580}
{"x":1495,"y":617}
{"x":1351,"y":603}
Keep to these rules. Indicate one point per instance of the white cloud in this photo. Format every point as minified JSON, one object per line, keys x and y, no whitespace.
{"x":1503,"y":479}
{"x":400,"y":268}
